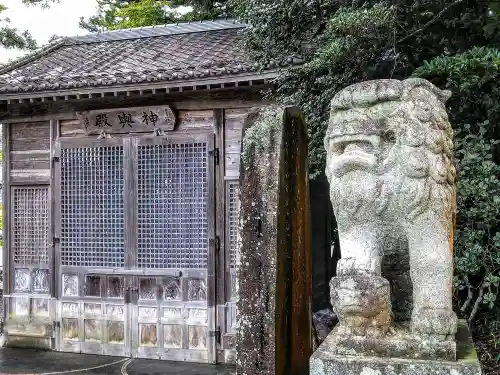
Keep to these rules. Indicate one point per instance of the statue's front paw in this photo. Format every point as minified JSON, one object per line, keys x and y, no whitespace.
{"x":439,"y":323}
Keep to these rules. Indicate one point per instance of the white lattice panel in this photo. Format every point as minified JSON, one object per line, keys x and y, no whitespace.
{"x":172,"y":206}
{"x":92,"y":207}
{"x":30,"y":225}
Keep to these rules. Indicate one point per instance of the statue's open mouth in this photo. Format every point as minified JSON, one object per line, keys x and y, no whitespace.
{"x":352,"y":152}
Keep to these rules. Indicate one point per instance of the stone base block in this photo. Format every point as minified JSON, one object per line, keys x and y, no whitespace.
{"x":349,"y":365}
{"x":399,"y":342}
{"x":327,"y":360}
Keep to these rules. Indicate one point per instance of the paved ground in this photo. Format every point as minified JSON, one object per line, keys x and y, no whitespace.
{"x":31,"y":362}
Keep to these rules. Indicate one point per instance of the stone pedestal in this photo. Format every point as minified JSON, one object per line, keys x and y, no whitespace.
{"x":329,"y":360}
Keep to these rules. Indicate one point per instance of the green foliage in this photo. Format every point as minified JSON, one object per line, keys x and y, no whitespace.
{"x":342,"y":42}
{"x":346,"y":41}
{"x":117,"y":14}
{"x":474,"y":110}
{"x":122,"y":14}
{"x":14,"y":38}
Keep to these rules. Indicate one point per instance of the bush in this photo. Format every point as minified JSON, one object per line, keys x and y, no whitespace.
{"x":474,"y":110}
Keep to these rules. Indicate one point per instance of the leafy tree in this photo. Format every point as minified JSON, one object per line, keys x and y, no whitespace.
{"x":342,"y":42}
{"x":448,"y":41}
{"x":120,"y":14}
{"x":13,"y":38}
{"x":474,"y":110}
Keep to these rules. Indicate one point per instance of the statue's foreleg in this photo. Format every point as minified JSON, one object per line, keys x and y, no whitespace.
{"x":431,"y":269}
{"x":360,"y":250}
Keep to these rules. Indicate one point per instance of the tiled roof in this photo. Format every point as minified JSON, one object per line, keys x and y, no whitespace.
{"x":179,"y":52}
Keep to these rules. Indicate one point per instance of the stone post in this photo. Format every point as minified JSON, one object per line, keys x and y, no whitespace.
{"x":274,"y":309}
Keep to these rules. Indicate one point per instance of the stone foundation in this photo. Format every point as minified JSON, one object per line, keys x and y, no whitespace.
{"x":328,"y":360}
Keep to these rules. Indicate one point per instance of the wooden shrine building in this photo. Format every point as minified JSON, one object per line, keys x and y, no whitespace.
{"x":120,"y":172}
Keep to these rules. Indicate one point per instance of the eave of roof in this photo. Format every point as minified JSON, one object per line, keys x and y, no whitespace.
{"x":213,"y":77}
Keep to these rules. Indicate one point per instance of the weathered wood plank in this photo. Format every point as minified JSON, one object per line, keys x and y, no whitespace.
{"x":30,"y":164}
{"x":218,"y":116}
{"x":6,"y":207}
{"x":30,"y":144}
{"x":30,"y":136}
{"x":232,"y":146}
{"x":34,"y":155}
{"x":30,"y":176}
{"x":212,"y":252}
{"x":188,"y":120}
{"x":31,"y":130}
{"x":232,"y":161}
{"x":70,"y":128}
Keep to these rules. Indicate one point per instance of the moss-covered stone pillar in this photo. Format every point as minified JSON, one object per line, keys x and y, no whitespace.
{"x":274,"y":308}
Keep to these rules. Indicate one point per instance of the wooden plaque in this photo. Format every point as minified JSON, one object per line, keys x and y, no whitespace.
{"x":128,"y":120}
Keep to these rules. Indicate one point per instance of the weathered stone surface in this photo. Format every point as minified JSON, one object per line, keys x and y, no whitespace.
{"x":345,"y":365}
{"x":274,"y":310}
{"x":362,"y":304}
{"x":325,"y":362}
{"x":399,"y":342}
{"x":389,"y":163}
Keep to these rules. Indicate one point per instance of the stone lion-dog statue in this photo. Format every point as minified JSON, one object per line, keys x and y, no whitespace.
{"x":390,"y":167}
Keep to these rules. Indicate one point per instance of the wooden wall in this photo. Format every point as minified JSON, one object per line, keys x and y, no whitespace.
{"x":232,"y":140}
{"x":29,"y":146}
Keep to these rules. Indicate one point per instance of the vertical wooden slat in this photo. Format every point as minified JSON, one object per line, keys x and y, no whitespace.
{"x":130,"y":201}
{"x":56,"y":214}
{"x":54,"y":125}
{"x":221,"y":268}
{"x":211,"y":275}
{"x":6,"y":209}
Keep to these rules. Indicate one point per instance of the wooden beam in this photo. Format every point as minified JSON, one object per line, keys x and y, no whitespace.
{"x":229,"y":98}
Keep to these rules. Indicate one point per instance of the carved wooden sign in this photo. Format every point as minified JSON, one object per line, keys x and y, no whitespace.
{"x":128,"y":120}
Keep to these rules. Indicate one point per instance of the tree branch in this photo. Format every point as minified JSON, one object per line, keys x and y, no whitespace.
{"x":478,"y":301}
{"x":431,"y":22}
{"x":470,"y":294}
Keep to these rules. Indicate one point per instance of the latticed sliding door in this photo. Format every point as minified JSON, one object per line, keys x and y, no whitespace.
{"x":174,"y":226}
{"x":29,"y":304}
{"x":136,"y":265}
{"x":93,"y":312}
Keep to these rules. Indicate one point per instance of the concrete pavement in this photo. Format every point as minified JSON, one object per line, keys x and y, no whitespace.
{"x":31,"y":362}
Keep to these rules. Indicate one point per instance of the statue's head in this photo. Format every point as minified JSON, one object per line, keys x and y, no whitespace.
{"x":385,"y":130}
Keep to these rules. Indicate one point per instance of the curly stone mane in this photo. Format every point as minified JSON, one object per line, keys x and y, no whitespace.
{"x":425,"y":144}
{"x":422,"y":153}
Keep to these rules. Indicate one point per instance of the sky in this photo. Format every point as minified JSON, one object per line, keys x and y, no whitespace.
{"x":60,"y":19}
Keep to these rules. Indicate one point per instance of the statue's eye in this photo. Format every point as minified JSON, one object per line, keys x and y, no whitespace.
{"x":337,"y":147}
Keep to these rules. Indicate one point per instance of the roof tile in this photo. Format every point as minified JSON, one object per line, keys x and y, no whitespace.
{"x":173,"y":52}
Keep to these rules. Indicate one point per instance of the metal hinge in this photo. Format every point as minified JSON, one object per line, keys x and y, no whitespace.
{"x":55,"y":159}
{"x":56,"y":240}
{"x":215,"y":154}
{"x":217,"y":243}
{"x":215,"y":334}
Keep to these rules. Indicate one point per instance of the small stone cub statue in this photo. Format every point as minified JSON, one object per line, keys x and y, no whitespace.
{"x":389,"y":164}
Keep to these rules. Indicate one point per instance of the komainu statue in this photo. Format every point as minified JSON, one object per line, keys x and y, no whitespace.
{"x":389,"y":163}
